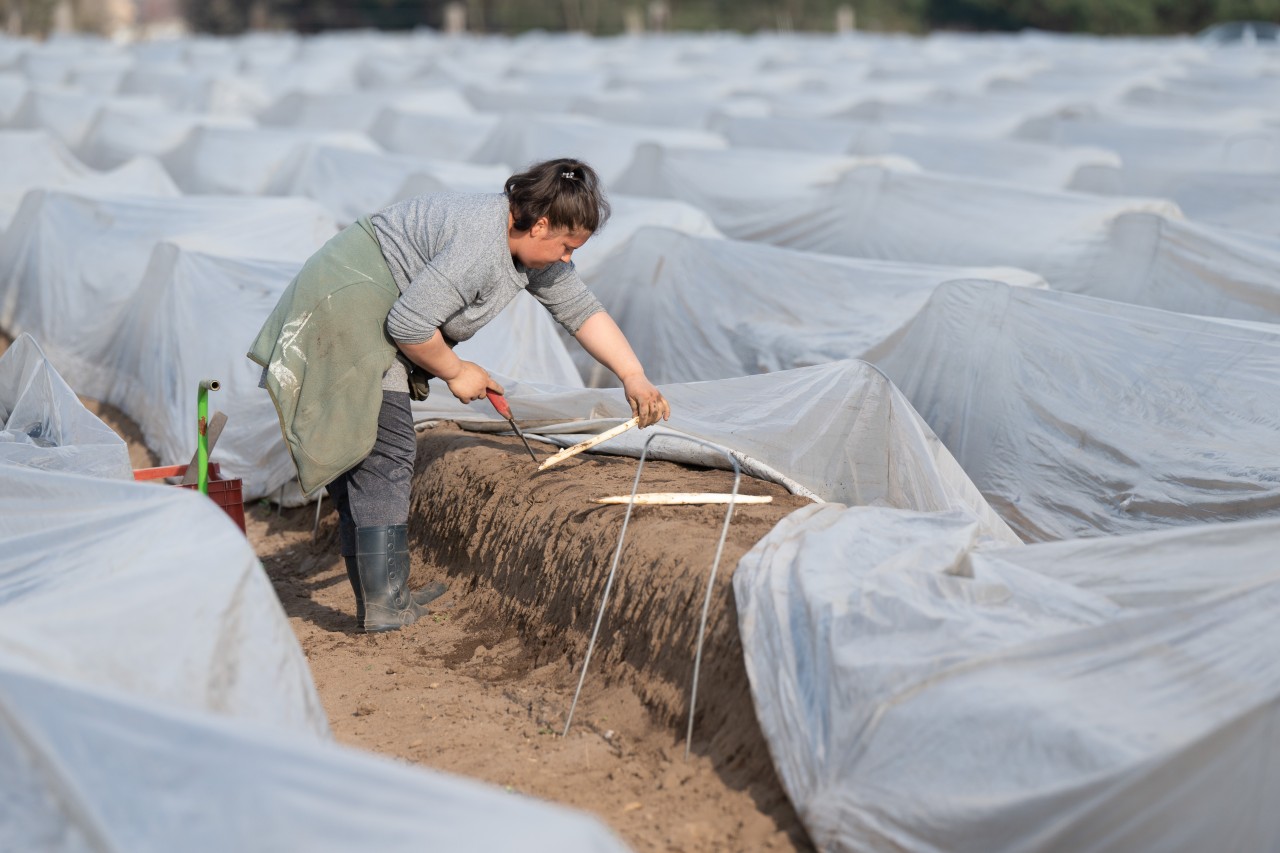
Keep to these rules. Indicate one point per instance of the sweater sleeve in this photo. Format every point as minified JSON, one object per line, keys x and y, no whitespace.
{"x":424,"y":306}
{"x":564,"y":294}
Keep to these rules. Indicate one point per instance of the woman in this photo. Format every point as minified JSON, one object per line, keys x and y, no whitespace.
{"x":379,"y":308}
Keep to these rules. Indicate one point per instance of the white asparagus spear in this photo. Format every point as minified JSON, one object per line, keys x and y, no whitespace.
{"x":681,"y":498}
{"x":557,"y":458}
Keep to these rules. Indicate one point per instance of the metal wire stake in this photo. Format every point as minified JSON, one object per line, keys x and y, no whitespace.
{"x":706,"y":602}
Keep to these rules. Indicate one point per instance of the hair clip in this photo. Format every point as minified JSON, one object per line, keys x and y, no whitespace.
{"x":568,"y":175}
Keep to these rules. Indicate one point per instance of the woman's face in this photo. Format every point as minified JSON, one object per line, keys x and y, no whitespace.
{"x":541,"y":246}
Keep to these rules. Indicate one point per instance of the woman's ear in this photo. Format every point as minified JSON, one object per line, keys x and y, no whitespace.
{"x":540,"y":228}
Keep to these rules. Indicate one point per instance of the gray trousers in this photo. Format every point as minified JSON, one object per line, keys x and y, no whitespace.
{"x":375,"y":492}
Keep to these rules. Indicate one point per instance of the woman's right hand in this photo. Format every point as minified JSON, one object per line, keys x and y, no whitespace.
{"x":472,"y":382}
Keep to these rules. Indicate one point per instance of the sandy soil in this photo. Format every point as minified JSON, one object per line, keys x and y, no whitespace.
{"x":482,"y":686}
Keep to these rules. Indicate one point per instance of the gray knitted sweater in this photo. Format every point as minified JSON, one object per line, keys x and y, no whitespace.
{"x":448,"y":254}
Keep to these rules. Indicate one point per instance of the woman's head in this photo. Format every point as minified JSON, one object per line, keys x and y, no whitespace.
{"x":566,"y":192}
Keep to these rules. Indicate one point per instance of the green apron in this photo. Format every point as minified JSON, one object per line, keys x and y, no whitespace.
{"x":325,"y":349}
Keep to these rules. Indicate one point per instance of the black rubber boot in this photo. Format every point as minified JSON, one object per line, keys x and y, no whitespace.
{"x":383,"y":571}
{"x":400,"y":545}
{"x":353,"y":575}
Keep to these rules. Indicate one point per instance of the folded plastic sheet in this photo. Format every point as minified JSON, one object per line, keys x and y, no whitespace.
{"x":148,"y":590}
{"x":43,"y":424}
{"x":921,"y":689}
{"x":695,"y":308}
{"x":836,"y":432}
{"x":1083,"y":417}
{"x":71,"y":301}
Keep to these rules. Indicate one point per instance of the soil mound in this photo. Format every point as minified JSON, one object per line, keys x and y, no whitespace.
{"x":536,"y":549}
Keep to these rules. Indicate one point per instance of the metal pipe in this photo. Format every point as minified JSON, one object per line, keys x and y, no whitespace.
{"x":202,"y":432}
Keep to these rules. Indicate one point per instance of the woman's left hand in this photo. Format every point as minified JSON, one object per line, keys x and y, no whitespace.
{"x":647,"y":402}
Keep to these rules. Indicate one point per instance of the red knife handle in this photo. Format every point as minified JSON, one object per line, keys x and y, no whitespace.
{"x":499,"y":403}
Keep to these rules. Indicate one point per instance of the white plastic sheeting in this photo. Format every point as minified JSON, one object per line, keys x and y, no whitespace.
{"x":922,"y":690}
{"x":71,"y":301}
{"x":695,"y":308}
{"x":690,"y":112}
{"x":740,"y":188}
{"x":633,"y":215}
{"x":1129,"y":250}
{"x":1245,"y":201}
{"x":866,"y":445}
{"x":1084,"y":417}
{"x":192,"y":318}
{"x":358,"y":109}
{"x":201,"y":784}
{"x":44,"y":426}
{"x":423,"y":133}
{"x":185,"y":87}
{"x":65,"y":113}
{"x":235,"y":161}
{"x":351,"y":183}
{"x":1014,"y":160}
{"x":119,"y":133}
{"x":35,"y":160}
{"x":523,"y":139}
{"x":159,"y":597}
{"x":1227,"y":143}
{"x":154,"y":697}
{"x":1076,"y":416}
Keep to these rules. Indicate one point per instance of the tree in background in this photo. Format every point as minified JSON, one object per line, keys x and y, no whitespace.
{"x":1140,"y":17}
{"x":42,"y":17}
{"x":31,"y":17}
{"x":608,"y":17}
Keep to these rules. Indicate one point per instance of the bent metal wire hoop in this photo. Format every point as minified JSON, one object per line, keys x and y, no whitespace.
{"x":711,"y":579}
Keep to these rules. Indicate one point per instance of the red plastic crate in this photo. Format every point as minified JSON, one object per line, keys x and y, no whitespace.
{"x":225,"y":493}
